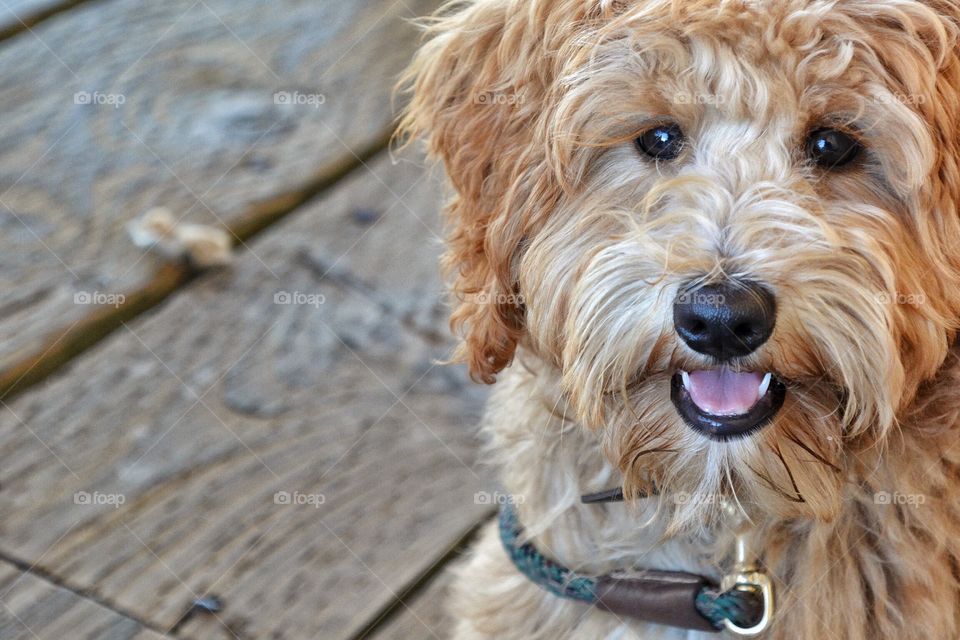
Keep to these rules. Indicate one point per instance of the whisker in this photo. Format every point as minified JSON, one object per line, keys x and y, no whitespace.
{"x":786,"y":467}
{"x":775,"y":488}
{"x":818,"y":457}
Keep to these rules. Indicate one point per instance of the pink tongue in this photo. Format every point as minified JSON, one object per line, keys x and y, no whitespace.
{"x":723,"y":392}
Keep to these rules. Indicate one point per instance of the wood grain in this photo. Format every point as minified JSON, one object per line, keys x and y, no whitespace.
{"x":424,"y":616}
{"x":32,"y":608}
{"x":199,"y":414}
{"x":229,"y":112}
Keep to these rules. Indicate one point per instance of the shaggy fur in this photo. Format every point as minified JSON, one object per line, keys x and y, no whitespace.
{"x":567,"y":249}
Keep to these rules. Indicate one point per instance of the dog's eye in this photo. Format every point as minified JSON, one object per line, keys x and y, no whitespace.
{"x":830,"y":148}
{"x":663,"y":142}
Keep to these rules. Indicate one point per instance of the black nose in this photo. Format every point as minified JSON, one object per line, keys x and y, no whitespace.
{"x":725,"y":319}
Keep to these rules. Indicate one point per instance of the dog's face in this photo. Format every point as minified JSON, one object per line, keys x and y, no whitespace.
{"x":731,"y":226}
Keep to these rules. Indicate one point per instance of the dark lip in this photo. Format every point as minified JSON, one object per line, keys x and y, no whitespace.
{"x":723,"y":428}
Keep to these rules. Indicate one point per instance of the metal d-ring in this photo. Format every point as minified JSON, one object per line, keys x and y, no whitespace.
{"x":758,"y":582}
{"x":748,"y":576}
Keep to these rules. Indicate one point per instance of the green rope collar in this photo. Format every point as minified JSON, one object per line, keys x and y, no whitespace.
{"x":740,"y":607}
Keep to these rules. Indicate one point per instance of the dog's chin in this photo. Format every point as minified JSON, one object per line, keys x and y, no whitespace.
{"x":725,"y":405}
{"x":771,"y":444}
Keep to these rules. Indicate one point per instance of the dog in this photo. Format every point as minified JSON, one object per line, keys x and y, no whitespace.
{"x":709,"y":252}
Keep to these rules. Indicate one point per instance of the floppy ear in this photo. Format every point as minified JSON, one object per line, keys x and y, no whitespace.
{"x":479,"y":90}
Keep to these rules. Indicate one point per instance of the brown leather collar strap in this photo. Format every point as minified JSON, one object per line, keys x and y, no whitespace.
{"x":660,"y":597}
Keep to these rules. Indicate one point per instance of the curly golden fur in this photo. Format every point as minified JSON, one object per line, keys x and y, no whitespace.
{"x":567,"y":249}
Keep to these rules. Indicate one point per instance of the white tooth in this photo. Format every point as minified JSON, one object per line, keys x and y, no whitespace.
{"x":685,"y":377}
{"x":765,"y":384}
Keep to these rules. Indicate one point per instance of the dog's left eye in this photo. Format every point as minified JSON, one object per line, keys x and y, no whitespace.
{"x":830,"y":148}
{"x":663,"y":142}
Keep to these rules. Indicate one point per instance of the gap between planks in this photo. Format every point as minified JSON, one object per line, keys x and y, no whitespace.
{"x":64,"y":346}
{"x":29,"y":20}
{"x":406,"y":595}
{"x":53,"y":580}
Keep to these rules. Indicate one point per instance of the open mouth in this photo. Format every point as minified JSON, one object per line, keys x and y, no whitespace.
{"x":725,"y":404}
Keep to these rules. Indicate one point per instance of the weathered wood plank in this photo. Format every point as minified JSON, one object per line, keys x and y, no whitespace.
{"x":201,"y":413}
{"x":423,"y":616}
{"x":229,"y":112}
{"x":31,"y":608}
{"x":423,"y":610}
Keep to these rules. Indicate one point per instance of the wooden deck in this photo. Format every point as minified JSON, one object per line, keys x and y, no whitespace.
{"x":275,"y":435}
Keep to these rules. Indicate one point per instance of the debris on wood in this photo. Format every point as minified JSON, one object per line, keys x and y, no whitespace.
{"x":205,"y":246}
{"x":364,"y":216}
{"x":207,"y":604}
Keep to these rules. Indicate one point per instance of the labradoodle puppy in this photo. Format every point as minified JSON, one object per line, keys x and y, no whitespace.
{"x":709,"y":251}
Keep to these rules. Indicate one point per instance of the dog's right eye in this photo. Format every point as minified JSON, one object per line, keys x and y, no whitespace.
{"x":663,"y":142}
{"x":831,"y":148}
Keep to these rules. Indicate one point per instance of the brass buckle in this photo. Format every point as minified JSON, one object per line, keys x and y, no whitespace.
{"x":748,"y":576}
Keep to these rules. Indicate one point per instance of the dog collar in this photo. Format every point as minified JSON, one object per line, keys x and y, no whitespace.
{"x":610,"y":495}
{"x":742,"y":605}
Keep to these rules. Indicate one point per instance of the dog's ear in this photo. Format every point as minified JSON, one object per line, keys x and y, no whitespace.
{"x":479,"y":86}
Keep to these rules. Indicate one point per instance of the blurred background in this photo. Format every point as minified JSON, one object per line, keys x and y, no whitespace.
{"x":222,"y":414}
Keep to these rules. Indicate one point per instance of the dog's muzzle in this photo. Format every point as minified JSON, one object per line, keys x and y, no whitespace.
{"x":726,"y":321}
